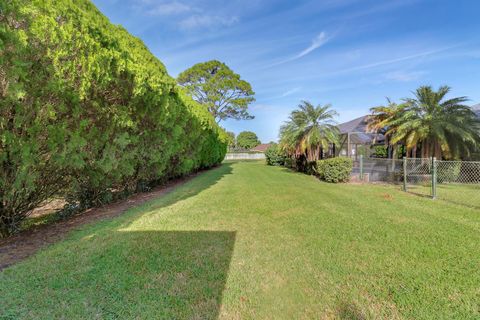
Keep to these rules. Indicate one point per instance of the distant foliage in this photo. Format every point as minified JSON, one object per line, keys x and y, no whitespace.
{"x":380,"y":151}
{"x":334,"y":170}
{"x":87,"y":111}
{"x":230,"y":139}
{"x":449,"y":173}
{"x":275,"y":156}
{"x":247,"y":140}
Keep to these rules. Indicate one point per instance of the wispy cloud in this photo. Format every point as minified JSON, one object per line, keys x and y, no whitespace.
{"x":170,"y":8}
{"x":184,"y":15}
{"x":199,"y":21}
{"x":399,"y":59}
{"x":317,"y":42}
{"x":290,"y":92}
{"x":404,"y":76}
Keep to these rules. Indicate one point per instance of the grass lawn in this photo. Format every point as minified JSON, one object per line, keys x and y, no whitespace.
{"x":248,"y":241}
{"x":463,"y":194}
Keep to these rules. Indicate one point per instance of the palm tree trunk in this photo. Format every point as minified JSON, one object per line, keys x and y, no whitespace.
{"x":437,"y":152}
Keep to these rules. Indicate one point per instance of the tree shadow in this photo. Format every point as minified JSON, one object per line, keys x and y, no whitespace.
{"x":185,"y":191}
{"x":27,"y":243}
{"x":133,"y":274}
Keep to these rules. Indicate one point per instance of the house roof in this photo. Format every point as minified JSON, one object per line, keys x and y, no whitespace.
{"x":261,"y":147}
{"x":355,"y":125}
{"x":358,"y":131}
{"x":476,"y":109}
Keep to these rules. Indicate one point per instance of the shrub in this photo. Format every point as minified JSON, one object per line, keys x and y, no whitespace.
{"x":87,"y":110}
{"x":274,"y":156}
{"x":380,"y":151}
{"x":449,"y":171}
{"x":289,"y":162}
{"x":335,"y":169}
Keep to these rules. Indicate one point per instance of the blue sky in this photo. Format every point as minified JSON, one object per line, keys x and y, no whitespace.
{"x":349,"y":53}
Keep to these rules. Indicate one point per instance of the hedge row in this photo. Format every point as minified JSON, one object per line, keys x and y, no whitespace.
{"x":88,"y":112}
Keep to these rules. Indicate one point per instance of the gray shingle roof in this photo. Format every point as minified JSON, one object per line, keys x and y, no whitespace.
{"x":476,"y":109}
{"x":355,"y":125}
{"x":358,"y":130}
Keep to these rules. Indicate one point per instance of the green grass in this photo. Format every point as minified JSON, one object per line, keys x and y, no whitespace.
{"x":462,"y":194}
{"x":247,"y":241}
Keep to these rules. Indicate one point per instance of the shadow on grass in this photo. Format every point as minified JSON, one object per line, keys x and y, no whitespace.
{"x":110,"y":272}
{"x":187,"y":190}
{"x":458,"y":194}
{"x":29,"y":242}
{"x":129,"y":274}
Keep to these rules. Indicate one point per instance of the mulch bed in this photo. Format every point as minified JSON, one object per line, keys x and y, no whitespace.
{"x":28,"y":242}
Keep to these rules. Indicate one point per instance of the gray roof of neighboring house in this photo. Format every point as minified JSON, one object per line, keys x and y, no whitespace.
{"x":355,"y":125}
{"x":476,"y":109}
{"x":358,"y":131}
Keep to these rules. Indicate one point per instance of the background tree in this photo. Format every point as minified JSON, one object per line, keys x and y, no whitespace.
{"x":309,"y":130}
{"x":247,"y":140}
{"x":443,"y":128}
{"x":230,"y":139}
{"x":221,"y":90}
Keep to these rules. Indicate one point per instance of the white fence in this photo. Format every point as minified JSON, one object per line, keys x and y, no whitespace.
{"x":245,"y":156}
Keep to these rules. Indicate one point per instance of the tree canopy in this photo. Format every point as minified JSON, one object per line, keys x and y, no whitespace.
{"x":247,"y":140}
{"x":222,"y":91}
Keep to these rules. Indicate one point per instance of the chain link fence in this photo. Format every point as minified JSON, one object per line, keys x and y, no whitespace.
{"x":458,"y":182}
{"x":378,"y":169}
{"x":418,"y":175}
{"x":453,"y":181}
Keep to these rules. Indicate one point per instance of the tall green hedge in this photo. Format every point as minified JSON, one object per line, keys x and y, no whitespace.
{"x":87,"y":110}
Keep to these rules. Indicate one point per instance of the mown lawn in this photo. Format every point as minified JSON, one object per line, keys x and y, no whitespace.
{"x":247,"y":241}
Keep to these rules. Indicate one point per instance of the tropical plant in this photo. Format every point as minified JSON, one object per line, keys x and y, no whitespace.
{"x":443,"y":128}
{"x":379,"y":122}
{"x":247,"y":140}
{"x":309,"y":131}
{"x":214,"y":85}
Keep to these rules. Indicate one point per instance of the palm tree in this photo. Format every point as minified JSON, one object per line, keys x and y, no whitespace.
{"x":442,"y":128}
{"x":380,"y":119}
{"x":309,"y":130}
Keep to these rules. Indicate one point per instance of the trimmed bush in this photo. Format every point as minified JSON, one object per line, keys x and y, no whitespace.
{"x":449,"y":172}
{"x":274,"y":156}
{"x":334,"y":170}
{"x":86,"y":111}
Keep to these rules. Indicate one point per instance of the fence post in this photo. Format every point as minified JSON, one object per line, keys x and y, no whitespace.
{"x":405,"y":174}
{"x":434,"y":178}
{"x":361,"y":167}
